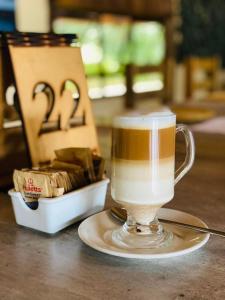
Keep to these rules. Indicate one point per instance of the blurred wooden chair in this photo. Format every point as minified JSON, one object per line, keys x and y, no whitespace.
{"x":202,"y":81}
{"x":202,"y":76}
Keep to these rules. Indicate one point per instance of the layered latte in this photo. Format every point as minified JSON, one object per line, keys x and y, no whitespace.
{"x":143,"y":163}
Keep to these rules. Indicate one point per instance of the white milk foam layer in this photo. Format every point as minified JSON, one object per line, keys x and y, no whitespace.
{"x":153,"y":120}
{"x":144,"y":182}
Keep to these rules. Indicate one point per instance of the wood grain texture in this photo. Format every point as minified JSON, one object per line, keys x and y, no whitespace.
{"x":209,"y":67}
{"x":53,"y":66}
{"x":155,"y":9}
{"x":37,"y":266}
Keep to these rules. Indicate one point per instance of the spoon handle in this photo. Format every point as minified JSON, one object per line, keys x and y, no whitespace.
{"x":193,"y":227}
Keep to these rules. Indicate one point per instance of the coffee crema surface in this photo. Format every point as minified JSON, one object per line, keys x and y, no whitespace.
{"x":143,"y":152}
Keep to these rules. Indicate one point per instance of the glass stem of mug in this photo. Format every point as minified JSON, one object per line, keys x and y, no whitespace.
{"x":141,"y":235}
{"x":144,"y":228}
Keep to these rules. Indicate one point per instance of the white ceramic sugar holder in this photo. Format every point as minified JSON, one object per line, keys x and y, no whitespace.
{"x":54,"y":214}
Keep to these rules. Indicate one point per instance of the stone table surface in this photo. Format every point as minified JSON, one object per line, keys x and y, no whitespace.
{"x":34,"y":265}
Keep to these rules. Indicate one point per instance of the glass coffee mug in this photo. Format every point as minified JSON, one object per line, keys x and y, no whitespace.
{"x":143,"y":167}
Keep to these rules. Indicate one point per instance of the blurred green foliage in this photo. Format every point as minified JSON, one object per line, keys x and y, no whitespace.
{"x":147,"y":43}
{"x":107,"y":48}
{"x":202,"y":28}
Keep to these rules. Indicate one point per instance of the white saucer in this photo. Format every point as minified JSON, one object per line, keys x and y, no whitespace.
{"x":95,"y":232}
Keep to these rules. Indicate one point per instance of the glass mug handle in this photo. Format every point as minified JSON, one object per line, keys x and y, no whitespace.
{"x":190,"y":152}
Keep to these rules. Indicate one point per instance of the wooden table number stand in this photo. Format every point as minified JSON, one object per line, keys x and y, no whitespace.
{"x":53,"y":95}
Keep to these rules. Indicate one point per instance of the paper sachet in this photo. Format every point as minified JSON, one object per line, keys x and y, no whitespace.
{"x":75,"y":172}
{"x":72,"y":169}
{"x":33,"y":185}
{"x":79,"y":156}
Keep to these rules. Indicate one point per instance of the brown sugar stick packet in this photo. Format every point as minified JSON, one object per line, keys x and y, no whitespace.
{"x":75,"y":172}
{"x":81,"y":157}
{"x":58,"y":188}
{"x":70,"y":168}
{"x":78,"y":156}
{"x":61,"y":177}
{"x":65,"y":175}
{"x":99,"y":165}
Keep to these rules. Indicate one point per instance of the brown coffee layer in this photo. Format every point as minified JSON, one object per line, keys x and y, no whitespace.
{"x":143,"y":144}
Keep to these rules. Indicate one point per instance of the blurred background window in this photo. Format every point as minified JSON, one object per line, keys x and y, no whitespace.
{"x":147,"y":43}
{"x":108,"y":47}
